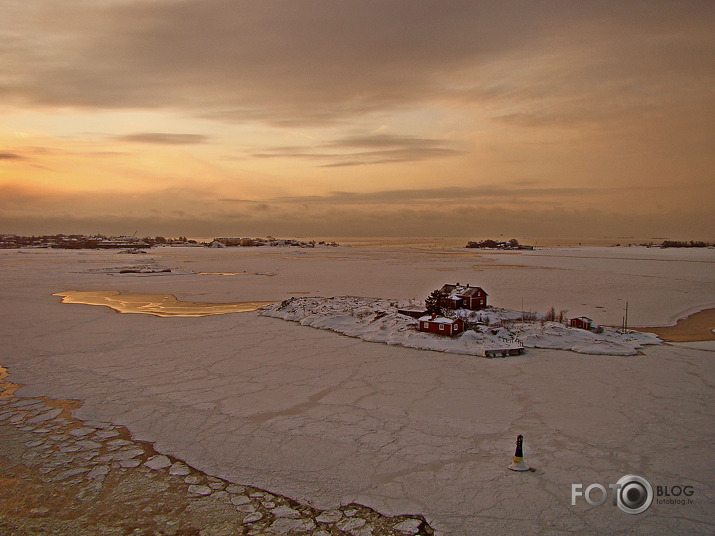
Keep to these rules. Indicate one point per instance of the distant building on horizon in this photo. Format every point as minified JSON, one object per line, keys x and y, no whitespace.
{"x":122,"y":242}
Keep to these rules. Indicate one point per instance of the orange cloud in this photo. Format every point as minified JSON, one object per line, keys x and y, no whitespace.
{"x":393,"y":116}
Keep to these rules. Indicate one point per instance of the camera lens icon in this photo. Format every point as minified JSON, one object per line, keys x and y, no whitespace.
{"x":634,"y":495}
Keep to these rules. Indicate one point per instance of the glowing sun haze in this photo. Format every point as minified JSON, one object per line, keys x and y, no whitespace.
{"x":337,"y":118}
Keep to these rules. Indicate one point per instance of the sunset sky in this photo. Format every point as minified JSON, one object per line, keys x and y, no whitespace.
{"x":358,"y":118}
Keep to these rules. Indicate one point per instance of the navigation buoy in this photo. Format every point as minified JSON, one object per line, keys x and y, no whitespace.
{"x":518,"y":464}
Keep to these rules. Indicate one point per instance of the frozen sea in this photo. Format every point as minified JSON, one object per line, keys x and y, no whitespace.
{"x":328,"y":419}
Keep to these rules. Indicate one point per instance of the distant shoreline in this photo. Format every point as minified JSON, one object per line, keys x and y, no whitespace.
{"x":9,"y":241}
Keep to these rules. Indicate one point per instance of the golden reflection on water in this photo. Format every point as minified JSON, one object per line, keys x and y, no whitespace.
{"x":696,"y":327}
{"x":164,"y":305}
{"x":7,"y":389}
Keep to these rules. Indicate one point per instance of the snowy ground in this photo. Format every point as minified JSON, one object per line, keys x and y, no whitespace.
{"x":377,"y":320}
{"x":331,"y":419}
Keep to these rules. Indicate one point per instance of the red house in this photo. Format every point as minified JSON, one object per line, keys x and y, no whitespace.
{"x":466,"y":296}
{"x":582,"y":322}
{"x":441,"y":325}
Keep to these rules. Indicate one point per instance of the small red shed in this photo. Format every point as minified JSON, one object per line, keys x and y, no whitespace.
{"x":441,"y":325}
{"x":582,"y":322}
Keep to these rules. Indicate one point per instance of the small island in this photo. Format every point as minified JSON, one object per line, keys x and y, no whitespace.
{"x":454,"y":319}
{"x":512,"y":244}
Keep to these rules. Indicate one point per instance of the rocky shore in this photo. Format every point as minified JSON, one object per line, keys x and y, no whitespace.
{"x":62,"y":476}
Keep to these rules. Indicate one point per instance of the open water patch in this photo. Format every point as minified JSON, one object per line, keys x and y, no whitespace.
{"x":7,"y":388}
{"x":163,"y":305}
{"x":693,"y":328}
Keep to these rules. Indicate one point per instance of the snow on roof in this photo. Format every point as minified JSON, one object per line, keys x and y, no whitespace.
{"x":437,"y":320}
{"x":458,"y":291}
{"x":474,"y":290}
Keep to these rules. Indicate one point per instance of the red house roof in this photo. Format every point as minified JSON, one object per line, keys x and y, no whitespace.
{"x":459,"y":291}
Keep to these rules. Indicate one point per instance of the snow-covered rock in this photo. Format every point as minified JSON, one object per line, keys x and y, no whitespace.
{"x":377,"y":320}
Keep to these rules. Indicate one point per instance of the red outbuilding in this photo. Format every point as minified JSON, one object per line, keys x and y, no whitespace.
{"x":582,"y":322}
{"x":441,"y":325}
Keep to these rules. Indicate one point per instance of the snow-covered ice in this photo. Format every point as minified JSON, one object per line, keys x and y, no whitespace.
{"x":330,"y":419}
